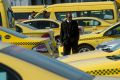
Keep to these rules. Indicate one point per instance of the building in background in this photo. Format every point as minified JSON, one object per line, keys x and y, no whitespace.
{"x":20,"y":2}
{"x":47,"y":2}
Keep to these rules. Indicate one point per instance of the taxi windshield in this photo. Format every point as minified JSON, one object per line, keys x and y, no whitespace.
{"x":28,"y":26}
{"x":47,"y":63}
{"x":12,"y":32}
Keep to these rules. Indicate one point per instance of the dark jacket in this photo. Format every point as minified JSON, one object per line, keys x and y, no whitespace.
{"x":69,"y":32}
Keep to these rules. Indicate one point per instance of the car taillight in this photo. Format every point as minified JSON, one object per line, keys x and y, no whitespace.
{"x":41,"y":48}
{"x":46,"y":35}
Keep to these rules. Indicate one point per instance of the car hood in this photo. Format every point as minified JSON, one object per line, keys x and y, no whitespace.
{"x":105,"y":78}
{"x":82,"y":56}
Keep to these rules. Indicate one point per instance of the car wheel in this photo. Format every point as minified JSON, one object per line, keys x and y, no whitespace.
{"x":85,"y":48}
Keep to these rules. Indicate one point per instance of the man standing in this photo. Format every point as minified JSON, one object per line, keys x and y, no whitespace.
{"x":69,"y":35}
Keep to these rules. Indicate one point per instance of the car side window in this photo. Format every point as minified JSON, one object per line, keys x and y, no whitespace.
{"x":43,"y":24}
{"x":114,"y":31}
{"x":7,"y":73}
{"x":21,"y":15}
{"x":39,"y":24}
{"x":88,"y":22}
{"x":33,"y":24}
{"x":54,"y":25}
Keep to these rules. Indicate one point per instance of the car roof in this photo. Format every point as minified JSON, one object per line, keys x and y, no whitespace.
{"x":83,"y":4}
{"x":42,"y":19}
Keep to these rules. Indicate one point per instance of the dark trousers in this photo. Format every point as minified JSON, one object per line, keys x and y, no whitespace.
{"x":70,"y":46}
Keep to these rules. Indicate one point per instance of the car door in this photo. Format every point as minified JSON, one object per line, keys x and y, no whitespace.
{"x":6,"y":73}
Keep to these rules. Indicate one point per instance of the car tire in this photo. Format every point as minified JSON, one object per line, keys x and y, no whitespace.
{"x":85,"y":48}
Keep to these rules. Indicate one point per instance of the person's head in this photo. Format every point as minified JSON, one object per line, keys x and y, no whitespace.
{"x":69,"y":16}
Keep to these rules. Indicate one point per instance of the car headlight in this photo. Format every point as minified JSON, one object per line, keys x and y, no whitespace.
{"x":41,"y":48}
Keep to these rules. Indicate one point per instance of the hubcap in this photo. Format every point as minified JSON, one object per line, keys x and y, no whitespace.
{"x":84,"y":50}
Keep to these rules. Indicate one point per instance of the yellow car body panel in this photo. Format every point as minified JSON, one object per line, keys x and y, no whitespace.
{"x":22,"y":9}
{"x":92,"y":24}
{"x":99,"y":66}
{"x":56,"y":30}
{"x":37,"y":33}
{"x":87,"y":55}
{"x":31,"y":72}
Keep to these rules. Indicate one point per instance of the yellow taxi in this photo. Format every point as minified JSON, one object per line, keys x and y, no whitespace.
{"x":45,"y":24}
{"x":108,"y":48}
{"x":34,"y":32}
{"x":88,"y":42}
{"x":106,"y":10}
{"x":34,"y":66}
{"x":37,"y":44}
{"x":91,"y":24}
{"x":104,"y":66}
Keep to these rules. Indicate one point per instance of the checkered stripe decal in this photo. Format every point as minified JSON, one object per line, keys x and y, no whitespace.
{"x":93,"y":38}
{"x":26,"y":43}
{"x":105,"y":72}
{"x":96,"y":38}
